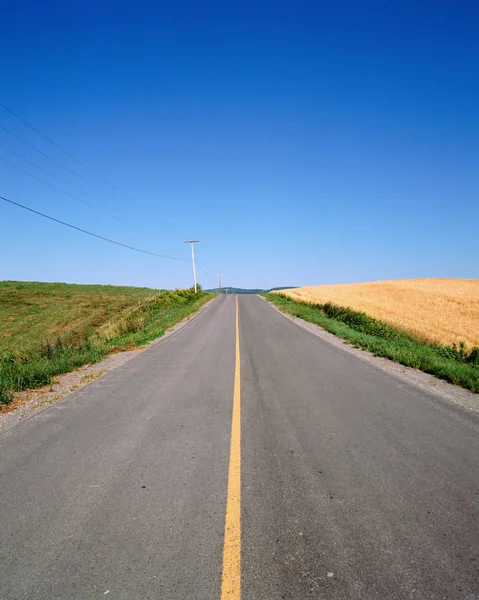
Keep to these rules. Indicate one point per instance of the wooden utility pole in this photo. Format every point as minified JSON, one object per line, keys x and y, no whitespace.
{"x":193,"y":242}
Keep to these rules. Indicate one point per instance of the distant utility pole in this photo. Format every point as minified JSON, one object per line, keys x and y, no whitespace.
{"x":193,"y":242}
{"x":219,"y":279}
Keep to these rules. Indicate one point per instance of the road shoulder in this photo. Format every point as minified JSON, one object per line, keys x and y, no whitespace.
{"x":452,"y":394}
{"x":30,"y":402}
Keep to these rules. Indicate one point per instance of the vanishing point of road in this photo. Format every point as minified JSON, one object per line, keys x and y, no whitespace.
{"x":243,"y":456}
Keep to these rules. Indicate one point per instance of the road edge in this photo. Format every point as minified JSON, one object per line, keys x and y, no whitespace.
{"x":455,"y":395}
{"x":35,"y":407}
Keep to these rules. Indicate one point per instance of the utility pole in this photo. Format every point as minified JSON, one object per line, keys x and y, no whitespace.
{"x":193,"y":242}
{"x":219,"y":279}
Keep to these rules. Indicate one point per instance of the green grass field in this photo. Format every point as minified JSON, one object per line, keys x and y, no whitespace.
{"x":31,"y":312}
{"x":454,"y":364}
{"x":52,"y":328}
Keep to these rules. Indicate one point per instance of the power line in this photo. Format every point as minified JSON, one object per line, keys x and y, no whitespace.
{"x":59,"y":179}
{"x":201,"y":269}
{"x":56,"y":145}
{"x":17,"y":137}
{"x":49,"y":174}
{"x":37,"y":131}
{"x":54,"y":187}
{"x":89,"y":232}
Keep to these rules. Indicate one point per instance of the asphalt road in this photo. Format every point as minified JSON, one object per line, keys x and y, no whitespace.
{"x":354,"y":484}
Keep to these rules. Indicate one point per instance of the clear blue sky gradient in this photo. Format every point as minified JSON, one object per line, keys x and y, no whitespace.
{"x":301,"y":142}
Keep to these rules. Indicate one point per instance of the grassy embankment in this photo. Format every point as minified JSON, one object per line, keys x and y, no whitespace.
{"x":48,"y":329}
{"x":457,"y":363}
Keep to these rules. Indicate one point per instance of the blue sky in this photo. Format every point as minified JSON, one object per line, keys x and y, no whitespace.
{"x":301,"y":142}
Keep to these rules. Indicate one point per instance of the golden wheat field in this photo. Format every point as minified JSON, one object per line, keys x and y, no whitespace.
{"x":436,"y":310}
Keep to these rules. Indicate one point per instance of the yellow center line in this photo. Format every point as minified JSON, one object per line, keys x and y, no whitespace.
{"x":231,"y":580}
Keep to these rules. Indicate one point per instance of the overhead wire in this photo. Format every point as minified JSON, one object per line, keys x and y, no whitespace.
{"x":37,"y":131}
{"x":17,"y":137}
{"x":75,"y":174}
{"x":79,"y":162}
{"x":50,"y":174}
{"x":54,"y":187}
{"x":101,"y":237}
{"x":201,"y":269}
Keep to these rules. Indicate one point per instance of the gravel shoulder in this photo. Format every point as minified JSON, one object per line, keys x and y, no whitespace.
{"x":453,"y":394}
{"x":30,"y":402}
